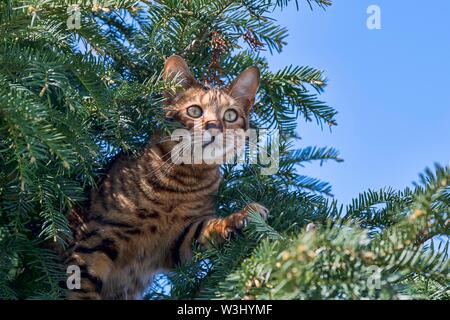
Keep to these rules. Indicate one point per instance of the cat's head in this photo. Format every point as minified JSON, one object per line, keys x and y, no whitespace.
{"x":216,"y":110}
{"x":227,"y":107}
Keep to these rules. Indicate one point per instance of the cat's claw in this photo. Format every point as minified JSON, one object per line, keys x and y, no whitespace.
{"x":311,"y":227}
{"x":256,"y":207}
{"x":227,"y":235}
{"x":239,"y":220}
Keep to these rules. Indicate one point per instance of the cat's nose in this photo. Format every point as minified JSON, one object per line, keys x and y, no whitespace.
{"x":212,"y":130}
{"x":213,"y":126}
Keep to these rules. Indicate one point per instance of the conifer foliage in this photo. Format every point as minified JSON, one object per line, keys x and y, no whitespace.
{"x":80,"y":82}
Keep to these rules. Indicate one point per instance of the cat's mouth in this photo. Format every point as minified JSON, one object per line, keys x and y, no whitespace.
{"x":217,"y":147}
{"x":207,"y":143}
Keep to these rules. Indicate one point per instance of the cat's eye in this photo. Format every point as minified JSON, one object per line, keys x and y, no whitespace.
{"x":230,"y":115}
{"x":195,"y":111}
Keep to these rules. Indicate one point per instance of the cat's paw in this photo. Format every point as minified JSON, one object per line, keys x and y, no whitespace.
{"x":258,"y":208}
{"x":239,"y":220}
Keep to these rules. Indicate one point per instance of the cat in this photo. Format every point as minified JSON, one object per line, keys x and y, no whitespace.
{"x":148,"y":210}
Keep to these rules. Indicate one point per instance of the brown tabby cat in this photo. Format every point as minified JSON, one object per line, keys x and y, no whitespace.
{"x":148,"y":210}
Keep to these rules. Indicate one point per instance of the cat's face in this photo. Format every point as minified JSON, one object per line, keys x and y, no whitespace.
{"x":215,"y":111}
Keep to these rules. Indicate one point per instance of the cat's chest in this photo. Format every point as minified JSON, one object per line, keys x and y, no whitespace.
{"x":177,"y":210}
{"x":175,"y":190}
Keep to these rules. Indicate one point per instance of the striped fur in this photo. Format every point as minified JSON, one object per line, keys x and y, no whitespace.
{"x":147,"y":211}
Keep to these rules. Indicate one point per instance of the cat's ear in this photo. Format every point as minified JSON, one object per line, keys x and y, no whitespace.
{"x":245,"y":86}
{"x":176,"y":69}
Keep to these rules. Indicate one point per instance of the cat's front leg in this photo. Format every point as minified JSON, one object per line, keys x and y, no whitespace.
{"x":220,"y":229}
{"x":94,"y":270}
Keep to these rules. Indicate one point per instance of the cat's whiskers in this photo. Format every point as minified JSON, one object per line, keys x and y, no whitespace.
{"x":164,"y":162}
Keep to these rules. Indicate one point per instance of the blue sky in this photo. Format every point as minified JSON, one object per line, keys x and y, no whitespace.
{"x":391,"y":88}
